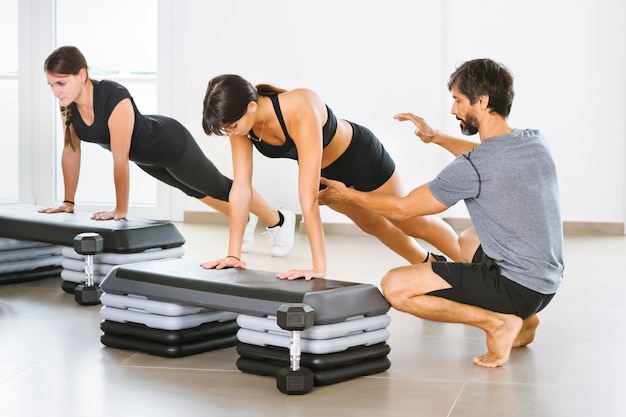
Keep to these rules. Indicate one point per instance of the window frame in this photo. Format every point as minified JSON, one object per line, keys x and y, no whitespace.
{"x":38,"y":111}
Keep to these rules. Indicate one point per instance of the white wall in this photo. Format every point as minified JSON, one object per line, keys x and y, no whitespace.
{"x":370,"y":60}
{"x":569,"y":60}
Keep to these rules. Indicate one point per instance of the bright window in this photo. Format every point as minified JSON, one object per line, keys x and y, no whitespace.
{"x":119,"y":41}
{"x":8,"y":102}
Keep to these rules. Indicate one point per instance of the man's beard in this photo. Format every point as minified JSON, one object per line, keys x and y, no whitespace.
{"x":469,"y":126}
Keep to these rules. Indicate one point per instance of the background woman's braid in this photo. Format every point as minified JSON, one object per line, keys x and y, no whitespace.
{"x":67,"y":113}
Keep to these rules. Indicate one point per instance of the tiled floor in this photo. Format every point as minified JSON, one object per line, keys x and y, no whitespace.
{"x":53,"y":364}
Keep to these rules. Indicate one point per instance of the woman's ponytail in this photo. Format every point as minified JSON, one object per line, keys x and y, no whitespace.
{"x":66,"y":112}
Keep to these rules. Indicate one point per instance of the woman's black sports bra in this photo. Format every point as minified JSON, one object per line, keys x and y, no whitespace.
{"x":288,"y":149}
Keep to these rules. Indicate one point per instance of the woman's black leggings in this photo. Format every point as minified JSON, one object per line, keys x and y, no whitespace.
{"x":194,"y":174}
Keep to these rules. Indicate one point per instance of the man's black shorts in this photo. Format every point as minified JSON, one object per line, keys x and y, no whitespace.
{"x":481,"y":284}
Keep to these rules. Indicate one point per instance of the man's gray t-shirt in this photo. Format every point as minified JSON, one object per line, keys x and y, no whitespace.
{"x":509,"y":185}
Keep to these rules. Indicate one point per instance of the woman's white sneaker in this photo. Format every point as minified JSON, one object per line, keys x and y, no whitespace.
{"x":248,"y":235}
{"x":282,"y":237}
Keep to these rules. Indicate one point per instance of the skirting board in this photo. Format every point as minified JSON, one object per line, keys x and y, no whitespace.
{"x":459,"y":224}
{"x":569,"y":228}
{"x":213,"y":217}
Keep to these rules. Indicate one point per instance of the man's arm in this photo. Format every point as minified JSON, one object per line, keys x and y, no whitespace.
{"x":427,"y":134}
{"x":453,"y":145}
{"x":418,"y":202}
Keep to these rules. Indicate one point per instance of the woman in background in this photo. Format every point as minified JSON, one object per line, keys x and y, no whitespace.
{"x":104,"y":112}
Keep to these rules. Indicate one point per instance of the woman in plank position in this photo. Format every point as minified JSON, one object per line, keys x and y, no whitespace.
{"x":104,"y":112}
{"x":297,"y":124}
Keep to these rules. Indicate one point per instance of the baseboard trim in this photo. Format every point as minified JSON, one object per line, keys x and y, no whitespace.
{"x":596,"y":228}
{"x":213,"y":217}
{"x":569,"y":227}
{"x":458,"y":224}
{"x":204,"y":217}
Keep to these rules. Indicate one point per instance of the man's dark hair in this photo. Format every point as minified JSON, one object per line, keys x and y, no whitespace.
{"x":485,"y":77}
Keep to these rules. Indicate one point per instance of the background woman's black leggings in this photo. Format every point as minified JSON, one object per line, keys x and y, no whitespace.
{"x":194,"y":174}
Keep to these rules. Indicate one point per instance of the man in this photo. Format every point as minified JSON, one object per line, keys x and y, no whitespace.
{"x":514,"y":253}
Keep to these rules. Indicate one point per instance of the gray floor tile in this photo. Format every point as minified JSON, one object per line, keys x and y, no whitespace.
{"x":52,"y":362}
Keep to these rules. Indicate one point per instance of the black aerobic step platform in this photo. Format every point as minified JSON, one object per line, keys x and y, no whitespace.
{"x":22,"y":221}
{"x":244,"y":291}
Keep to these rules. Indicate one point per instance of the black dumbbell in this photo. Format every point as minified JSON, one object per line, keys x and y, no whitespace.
{"x":88,"y":244}
{"x":295,"y":317}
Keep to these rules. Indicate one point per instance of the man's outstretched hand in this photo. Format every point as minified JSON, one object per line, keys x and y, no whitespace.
{"x":423,"y":131}
{"x":335,"y":192}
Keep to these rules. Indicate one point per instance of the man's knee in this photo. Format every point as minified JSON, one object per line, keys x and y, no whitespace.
{"x":469,"y":243}
{"x":390,"y":288}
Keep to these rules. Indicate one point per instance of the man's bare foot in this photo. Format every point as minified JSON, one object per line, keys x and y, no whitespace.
{"x":527,"y":333}
{"x":500,"y":341}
